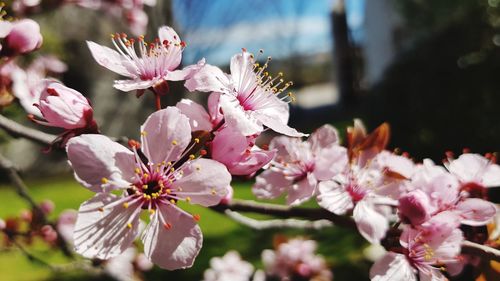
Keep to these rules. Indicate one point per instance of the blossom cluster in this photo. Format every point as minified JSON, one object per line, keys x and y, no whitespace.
{"x":293,"y":259}
{"x":187,"y":154}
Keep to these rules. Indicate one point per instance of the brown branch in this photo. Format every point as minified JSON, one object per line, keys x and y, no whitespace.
{"x":18,"y":130}
{"x":22,"y":190}
{"x":479,"y":250}
{"x":277,"y":223}
{"x":285,"y":212}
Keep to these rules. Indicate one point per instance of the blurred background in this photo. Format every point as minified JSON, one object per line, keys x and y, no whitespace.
{"x":428,"y":68}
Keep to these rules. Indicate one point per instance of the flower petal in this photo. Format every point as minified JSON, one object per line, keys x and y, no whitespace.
{"x":198,"y":116}
{"x":302,"y":191}
{"x":392,"y":267}
{"x":209,"y":79}
{"x":270,"y":184}
{"x":476,"y":212}
{"x":105,"y":227}
{"x":165,"y":135}
{"x":94,"y":157}
{"x":275,"y":122}
{"x":204,"y":181}
{"x":334,"y":198}
{"x":172,"y":240}
{"x":325,"y":136}
{"x":371,"y":224}
{"x":185,"y":73}
{"x":109,"y":58}
{"x":131,"y":85}
{"x":236,"y":117}
{"x":174,"y":48}
{"x":329,"y":162}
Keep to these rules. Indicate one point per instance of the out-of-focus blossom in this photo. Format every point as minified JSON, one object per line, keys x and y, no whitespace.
{"x":415,"y":207}
{"x":250,"y":96}
{"x":296,"y":258}
{"x":3,"y":225}
{"x":21,"y":7}
{"x":230,"y":267}
{"x":427,"y":248}
{"x":48,"y":234}
{"x":131,"y":10}
{"x":299,"y":165}
{"x":151,"y":67}
{"x":121,"y":267}
{"x":372,"y":180}
{"x":151,"y":178}
{"x":66,"y":224}
{"x":47,"y":206}
{"x":23,"y":37}
{"x":28,"y":84}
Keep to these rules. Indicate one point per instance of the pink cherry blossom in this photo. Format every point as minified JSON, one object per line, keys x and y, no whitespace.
{"x":443,"y":192}
{"x":250,"y":97}
{"x":296,"y":258}
{"x":366,"y":190}
{"x":152,"y":178}
{"x":230,"y":267}
{"x":24,"y":37}
{"x":65,"y":108}
{"x":298,"y":166}
{"x":238,"y":152}
{"x":199,"y":118}
{"x":426,"y":249}
{"x":475,"y":172}
{"x":147,"y":64}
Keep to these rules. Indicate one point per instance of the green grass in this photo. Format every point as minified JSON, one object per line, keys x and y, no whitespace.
{"x":341,"y":247}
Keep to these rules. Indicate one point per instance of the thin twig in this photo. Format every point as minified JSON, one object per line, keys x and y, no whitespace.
{"x":277,"y":224}
{"x":22,"y":190}
{"x":285,"y":212}
{"x":30,"y":256}
{"x":479,"y":250}
{"x":18,"y":130}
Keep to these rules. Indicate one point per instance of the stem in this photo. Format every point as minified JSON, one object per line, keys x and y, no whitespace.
{"x":17,"y":130}
{"x":158,"y":100}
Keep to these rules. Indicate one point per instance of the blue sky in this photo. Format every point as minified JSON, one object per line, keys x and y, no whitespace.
{"x":217,"y":29}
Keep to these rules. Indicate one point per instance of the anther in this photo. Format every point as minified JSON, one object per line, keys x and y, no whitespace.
{"x":125,"y":205}
{"x":174,"y":142}
{"x":196,"y":217}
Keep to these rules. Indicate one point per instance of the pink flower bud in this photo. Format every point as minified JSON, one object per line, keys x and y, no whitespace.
{"x":415,"y":207}
{"x":47,"y":206}
{"x":64,"y":107}
{"x":24,"y":37}
{"x":48,"y":233}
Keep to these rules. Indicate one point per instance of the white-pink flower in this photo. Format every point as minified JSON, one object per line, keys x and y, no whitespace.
{"x":230,"y":267}
{"x":474,"y":172}
{"x":250,"y":97}
{"x":426,"y":250}
{"x":145,"y":64}
{"x":21,"y":37}
{"x":443,"y":191}
{"x":199,"y":118}
{"x":27,"y":85}
{"x":299,"y":165}
{"x":149,"y":178}
{"x":367,"y":190}
{"x":296,"y":258}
